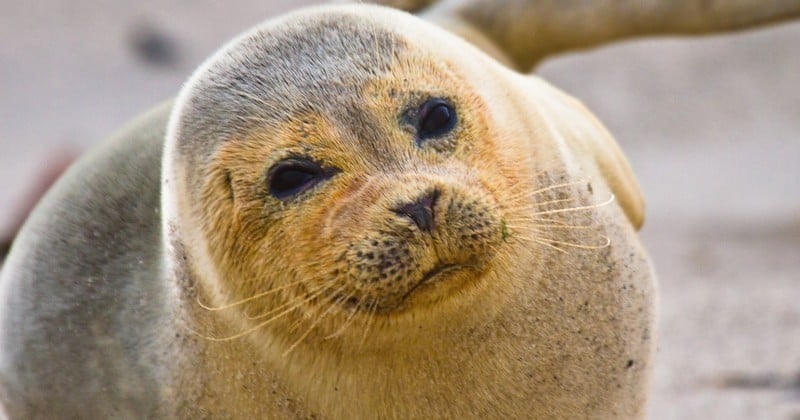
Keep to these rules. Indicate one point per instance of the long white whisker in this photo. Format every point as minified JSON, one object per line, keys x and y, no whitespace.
{"x":552,"y":187}
{"x":606,"y":242}
{"x":245,"y":300}
{"x":370,"y":319}
{"x":316,"y":322}
{"x":549,"y":245}
{"x":571,"y":209}
{"x":316,"y":292}
{"x":349,"y":318}
{"x":254,"y":328}
{"x":538,"y":227}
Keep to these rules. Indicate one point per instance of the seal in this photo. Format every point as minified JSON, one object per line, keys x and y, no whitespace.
{"x":348,"y":213}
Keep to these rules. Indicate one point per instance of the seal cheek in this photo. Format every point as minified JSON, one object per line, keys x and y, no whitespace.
{"x":474,"y":230}
{"x":381,"y":267}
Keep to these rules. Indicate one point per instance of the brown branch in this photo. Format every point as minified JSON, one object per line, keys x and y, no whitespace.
{"x":526,"y":31}
{"x":412,"y":6}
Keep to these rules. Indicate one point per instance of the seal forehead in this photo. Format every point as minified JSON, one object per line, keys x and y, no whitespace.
{"x":311,"y":62}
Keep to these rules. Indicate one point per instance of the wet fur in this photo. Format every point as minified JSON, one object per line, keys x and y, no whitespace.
{"x":224,"y":302}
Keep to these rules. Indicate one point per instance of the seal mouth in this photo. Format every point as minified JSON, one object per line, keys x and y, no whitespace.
{"x":432,"y":274}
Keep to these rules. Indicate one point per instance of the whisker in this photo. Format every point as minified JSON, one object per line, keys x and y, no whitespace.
{"x":535,"y":227}
{"x":562,"y":185}
{"x":571,"y":209}
{"x":536,"y":205}
{"x":370,"y":319}
{"x":349,"y":318}
{"x":261,"y":324}
{"x":535,"y":219}
{"x":549,"y":245}
{"x":251,"y":329}
{"x":525,"y":197}
{"x":562,"y":200}
{"x":606,"y":242}
{"x":316,"y":322}
{"x":316,"y":292}
{"x":245,"y":300}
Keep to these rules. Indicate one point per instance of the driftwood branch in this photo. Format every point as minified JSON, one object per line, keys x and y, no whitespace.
{"x":526,"y":31}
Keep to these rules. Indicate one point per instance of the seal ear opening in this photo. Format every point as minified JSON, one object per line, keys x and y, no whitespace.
{"x":588,"y":136}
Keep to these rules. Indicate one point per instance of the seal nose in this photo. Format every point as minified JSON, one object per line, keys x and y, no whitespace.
{"x":421,"y":211}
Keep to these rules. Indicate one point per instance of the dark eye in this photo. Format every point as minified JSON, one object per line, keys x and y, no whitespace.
{"x":436,"y":118}
{"x":292,"y":176}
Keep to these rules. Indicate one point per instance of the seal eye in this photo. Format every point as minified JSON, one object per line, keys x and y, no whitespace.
{"x":293,"y":176}
{"x":436,"y":118}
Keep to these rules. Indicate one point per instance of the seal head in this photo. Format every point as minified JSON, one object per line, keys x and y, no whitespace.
{"x":325,"y":158}
{"x":359,"y":191}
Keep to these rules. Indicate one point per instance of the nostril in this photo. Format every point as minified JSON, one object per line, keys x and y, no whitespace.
{"x":421,"y":211}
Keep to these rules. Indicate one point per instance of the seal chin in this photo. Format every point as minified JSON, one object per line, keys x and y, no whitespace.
{"x":440,"y":283}
{"x":435,"y":275}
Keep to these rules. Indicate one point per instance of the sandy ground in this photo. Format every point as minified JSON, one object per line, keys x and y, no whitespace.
{"x":711,"y":127}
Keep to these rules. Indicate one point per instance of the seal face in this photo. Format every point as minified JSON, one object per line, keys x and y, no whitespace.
{"x":341,"y":170}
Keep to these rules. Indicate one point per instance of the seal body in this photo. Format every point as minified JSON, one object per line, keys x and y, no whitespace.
{"x":355,"y":215}
{"x":83,"y":292}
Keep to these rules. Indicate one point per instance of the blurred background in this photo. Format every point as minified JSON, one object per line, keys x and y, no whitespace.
{"x":710,"y":125}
